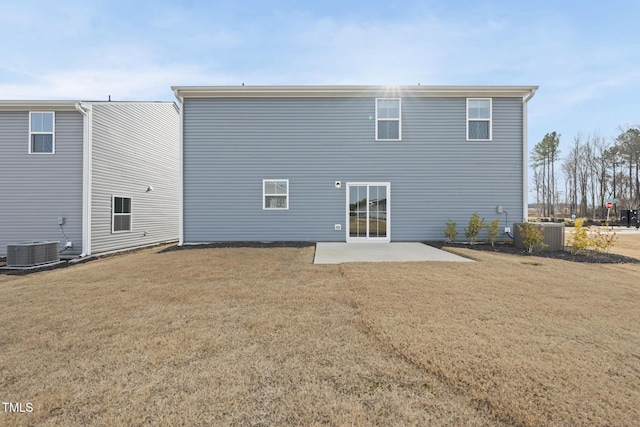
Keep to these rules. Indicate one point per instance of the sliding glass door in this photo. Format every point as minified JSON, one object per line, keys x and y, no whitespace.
{"x":368,"y":211}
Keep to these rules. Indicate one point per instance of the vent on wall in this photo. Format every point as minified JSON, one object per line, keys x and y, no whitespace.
{"x":32,"y":253}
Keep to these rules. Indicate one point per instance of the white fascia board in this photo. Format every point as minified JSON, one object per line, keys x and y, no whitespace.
{"x":350,"y":91}
{"x":38,"y":105}
{"x":66,"y":105}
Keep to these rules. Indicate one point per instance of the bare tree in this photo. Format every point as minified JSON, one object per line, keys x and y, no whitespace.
{"x":594,"y":170}
{"x":628,"y":146}
{"x":612,"y":158}
{"x":539,"y":164}
{"x":601,"y":172}
{"x":569,"y":182}
{"x":543,"y":157}
{"x":537,"y":183}
{"x":591,"y":165}
{"x":573,"y":170}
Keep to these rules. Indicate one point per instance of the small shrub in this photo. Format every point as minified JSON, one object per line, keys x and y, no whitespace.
{"x":602,"y":242}
{"x":580,"y":240}
{"x":476,"y":224}
{"x":532,"y":237}
{"x":450,"y":232}
{"x":492,"y":231}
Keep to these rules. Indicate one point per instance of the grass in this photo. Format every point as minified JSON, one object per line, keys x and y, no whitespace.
{"x":627,"y":244}
{"x":254,"y":336}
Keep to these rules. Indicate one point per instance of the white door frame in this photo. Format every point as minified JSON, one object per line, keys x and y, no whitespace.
{"x":368,"y":184}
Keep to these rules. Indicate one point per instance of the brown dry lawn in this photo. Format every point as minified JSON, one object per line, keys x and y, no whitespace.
{"x":263,"y":337}
{"x":626,"y":244}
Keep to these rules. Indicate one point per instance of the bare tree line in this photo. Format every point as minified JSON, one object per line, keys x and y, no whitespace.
{"x":595,"y":169}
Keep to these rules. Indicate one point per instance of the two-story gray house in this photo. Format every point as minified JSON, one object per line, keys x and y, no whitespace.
{"x":95,"y":176}
{"x":349,"y":163}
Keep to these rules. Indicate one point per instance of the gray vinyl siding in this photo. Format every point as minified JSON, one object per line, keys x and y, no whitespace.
{"x":231,"y":145}
{"x":36,"y":189}
{"x":135,"y":145}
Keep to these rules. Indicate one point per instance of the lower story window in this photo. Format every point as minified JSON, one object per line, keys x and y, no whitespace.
{"x":121,"y":214}
{"x":275,"y":194}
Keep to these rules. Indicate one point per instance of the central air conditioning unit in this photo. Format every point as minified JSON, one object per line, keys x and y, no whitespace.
{"x":552,"y":235}
{"x":28,"y":254}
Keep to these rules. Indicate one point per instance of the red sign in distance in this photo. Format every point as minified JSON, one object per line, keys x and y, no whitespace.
{"x":609,"y":205}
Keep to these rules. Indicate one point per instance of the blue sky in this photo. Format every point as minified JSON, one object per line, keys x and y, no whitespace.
{"x":584,"y":55}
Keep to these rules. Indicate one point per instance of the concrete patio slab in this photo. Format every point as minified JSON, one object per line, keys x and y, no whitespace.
{"x":340,"y":252}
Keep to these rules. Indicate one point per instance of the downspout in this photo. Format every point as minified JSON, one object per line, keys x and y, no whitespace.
{"x":525,"y":153}
{"x":85,"y":110}
{"x":181,"y":170}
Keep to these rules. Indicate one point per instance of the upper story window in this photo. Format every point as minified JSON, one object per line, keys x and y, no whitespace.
{"x":388,"y":122}
{"x":479,"y":119}
{"x":275,"y":194}
{"x":41,"y":132}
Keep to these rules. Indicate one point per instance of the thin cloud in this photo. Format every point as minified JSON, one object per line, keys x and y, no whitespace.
{"x":148,"y":82}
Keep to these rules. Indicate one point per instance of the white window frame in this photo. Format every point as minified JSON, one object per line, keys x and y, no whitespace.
{"x":490,"y":119}
{"x":52,"y":133}
{"x":114,"y":214}
{"x":265,"y":194}
{"x":399,"y":119}
{"x":347,"y":219}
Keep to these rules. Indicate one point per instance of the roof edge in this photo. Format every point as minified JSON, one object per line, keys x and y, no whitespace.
{"x":64,"y":105}
{"x":23,"y":105}
{"x":349,"y":91}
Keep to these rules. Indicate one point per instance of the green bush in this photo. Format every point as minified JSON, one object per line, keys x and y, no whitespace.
{"x":580,"y":240}
{"x":492,"y":231}
{"x":532,"y":237}
{"x":450,"y":232}
{"x":476,"y":224}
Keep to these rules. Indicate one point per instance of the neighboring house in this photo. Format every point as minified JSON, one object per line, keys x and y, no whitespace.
{"x":103,"y":176}
{"x":349,"y":163}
